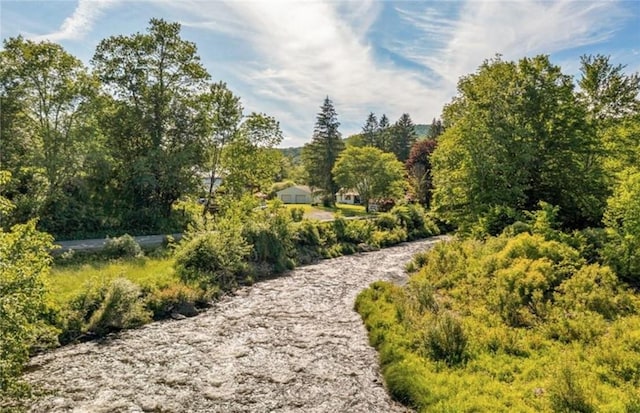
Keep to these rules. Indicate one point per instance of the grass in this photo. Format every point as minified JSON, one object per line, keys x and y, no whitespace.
{"x":66,"y":282}
{"x":347,"y":210}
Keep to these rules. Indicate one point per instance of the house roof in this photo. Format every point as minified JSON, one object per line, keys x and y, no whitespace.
{"x":303,"y":188}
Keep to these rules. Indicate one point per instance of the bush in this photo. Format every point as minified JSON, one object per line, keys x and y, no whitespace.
{"x":387,"y":221}
{"x":568,"y":393}
{"x":595,"y":288}
{"x":622,"y":221}
{"x":122,"y":247}
{"x":446,"y":341}
{"x":24,"y":259}
{"x":121,"y":309}
{"x":213,"y":258}
{"x":176,"y":298}
{"x":297,"y":214}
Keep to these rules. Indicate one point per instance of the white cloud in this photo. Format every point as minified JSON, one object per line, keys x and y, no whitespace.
{"x":305,"y":51}
{"x":512,"y":28}
{"x":80,"y":22}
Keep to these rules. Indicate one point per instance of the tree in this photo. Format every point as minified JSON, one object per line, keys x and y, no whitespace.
{"x":47,"y":134}
{"x":436,"y":129}
{"x":383,"y":138}
{"x":250,"y":161}
{"x":373,"y":173}
{"x":370,"y":130}
{"x":403,"y":136}
{"x":605,"y":90}
{"x":156,"y":129}
{"x":516,"y":135}
{"x":223,"y":113}
{"x":319,"y":156}
{"x":418,"y":167}
{"x":25,"y":258}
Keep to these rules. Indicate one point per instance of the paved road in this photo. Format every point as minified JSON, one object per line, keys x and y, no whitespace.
{"x":289,"y":344}
{"x":98,"y":243}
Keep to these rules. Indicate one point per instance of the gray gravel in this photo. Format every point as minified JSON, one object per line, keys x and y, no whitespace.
{"x":290,"y":344}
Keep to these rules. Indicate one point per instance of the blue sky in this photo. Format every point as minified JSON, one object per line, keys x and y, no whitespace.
{"x":284,"y":57}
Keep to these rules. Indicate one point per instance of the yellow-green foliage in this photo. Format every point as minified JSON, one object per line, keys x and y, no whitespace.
{"x":518,"y":323}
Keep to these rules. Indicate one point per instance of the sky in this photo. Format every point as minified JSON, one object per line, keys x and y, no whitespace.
{"x":284,"y":57}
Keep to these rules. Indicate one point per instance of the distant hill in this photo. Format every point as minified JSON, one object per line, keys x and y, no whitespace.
{"x":422,"y":130}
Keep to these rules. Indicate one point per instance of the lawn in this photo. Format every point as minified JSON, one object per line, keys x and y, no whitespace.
{"x":66,"y":282}
{"x":345,"y":210}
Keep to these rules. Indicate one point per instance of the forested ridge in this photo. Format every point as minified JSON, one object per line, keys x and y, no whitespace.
{"x":535,"y":172}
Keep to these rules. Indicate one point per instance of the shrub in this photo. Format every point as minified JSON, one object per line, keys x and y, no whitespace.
{"x":595,"y":288}
{"x":387,"y":221}
{"x":122,"y":247}
{"x":213,"y":258}
{"x":388,"y":238}
{"x":121,"y":308}
{"x":523,"y":291}
{"x":24,"y":259}
{"x":297,"y":214}
{"x":622,"y":221}
{"x":568,"y":393}
{"x":270,"y":237}
{"x":446,"y":341}
{"x":176,"y":298}
{"x":358,"y":231}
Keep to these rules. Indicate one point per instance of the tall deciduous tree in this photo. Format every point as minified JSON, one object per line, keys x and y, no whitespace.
{"x":250,"y":160}
{"x":403,"y":136}
{"x":517,"y":136}
{"x":156,"y":127}
{"x":46,"y":135}
{"x":371,"y":172}
{"x":223,"y":112}
{"x":319,"y":156}
{"x":606,"y":90}
{"x":418,"y":167}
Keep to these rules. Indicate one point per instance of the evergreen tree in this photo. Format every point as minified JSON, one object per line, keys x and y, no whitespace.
{"x":436,"y":129}
{"x":370,"y":130}
{"x":382,"y":137}
{"x":403,"y":136}
{"x":321,"y":153}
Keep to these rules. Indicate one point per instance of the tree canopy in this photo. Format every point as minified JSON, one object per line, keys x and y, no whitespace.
{"x":374,"y":174}
{"x":517,"y":135}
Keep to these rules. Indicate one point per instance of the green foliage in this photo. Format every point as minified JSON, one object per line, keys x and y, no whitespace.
{"x":320,"y":155}
{"x":122,"y":247}
{"x":622,"y":220}
{"x":269,"y":236}
{"x":445,"y":340}
{"x":516,"y":135}
{"x":568,"y":393}
{"x":479,"y":324}
{"x":24,"y":258}
{"x":213,"y":258}
{"x":120,"y":309}
{"x":371,"y":172}
{"x":297,"y":214}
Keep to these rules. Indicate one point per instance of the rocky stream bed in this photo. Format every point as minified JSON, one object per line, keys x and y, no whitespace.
{"x":289,"y":344}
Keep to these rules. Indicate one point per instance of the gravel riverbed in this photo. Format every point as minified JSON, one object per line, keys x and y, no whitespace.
{"x":289,"y":344}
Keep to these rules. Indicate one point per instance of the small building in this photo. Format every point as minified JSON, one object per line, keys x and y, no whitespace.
{"x":345,"y":196}
{"x":297,"y":194}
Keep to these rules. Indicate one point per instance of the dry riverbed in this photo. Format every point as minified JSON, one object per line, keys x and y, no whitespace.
{"x":288,"y":344}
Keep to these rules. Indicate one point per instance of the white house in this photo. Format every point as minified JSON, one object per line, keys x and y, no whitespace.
{"x":350,"y":196}
{"x":297,"y":194}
